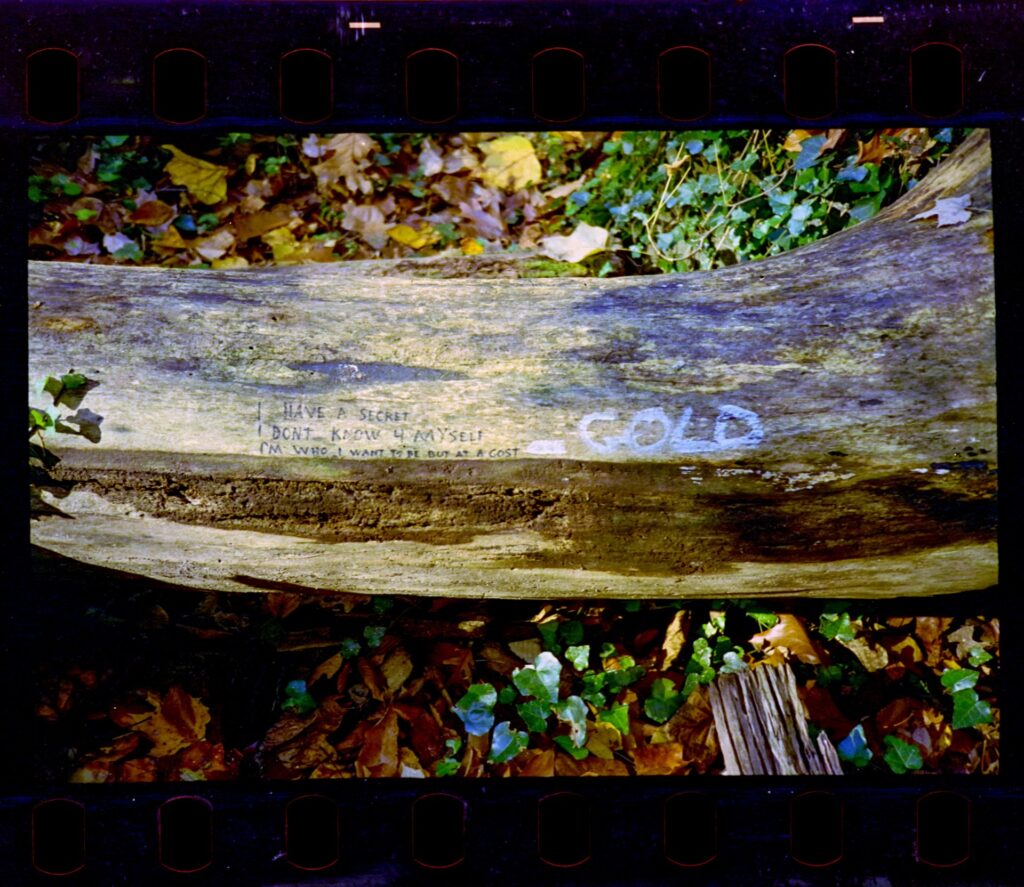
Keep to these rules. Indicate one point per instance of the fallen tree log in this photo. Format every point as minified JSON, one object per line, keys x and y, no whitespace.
{"x":820,"y":423}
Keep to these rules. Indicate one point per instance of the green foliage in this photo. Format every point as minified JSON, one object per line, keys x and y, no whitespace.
{"x":700,"y":662}
{"x":566,"y":744}
{"x":573,"y":711}
{"x":623,"y":672}
{"x":956,"y":679}
{"x":978,"y":656}
{"x":506,"y":743}
{"x":539,"y":679}
{"x":663,"y":702}
{"x":449,"y":765}
{"x":349,"y":647}
{"x":617,"y":716}
{"x":579,"y":656}
{"x":837,"y":627}
{"x":67,"y":391}
{"x":902,"y":756}
{"x":593,"y":682}
{"x":476,"y":709}
{"x":684,"y":201}
{"x":969,"y":710}
{"x":297,"y":699}
{"x":535,"y":714}
{"x":854,"y":748}
{"x":382,"y":604}
{"x":507,"y":695}
{"x":374,"y":634}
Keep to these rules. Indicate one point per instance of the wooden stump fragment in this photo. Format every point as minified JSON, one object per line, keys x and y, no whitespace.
{"x":762,"y":727}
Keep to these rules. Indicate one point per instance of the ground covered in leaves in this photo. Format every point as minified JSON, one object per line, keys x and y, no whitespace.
{"x":179,"y":685}
{"x":605,"y":203}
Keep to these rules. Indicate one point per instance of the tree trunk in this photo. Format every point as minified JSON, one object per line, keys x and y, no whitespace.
{"x":821,"y":423}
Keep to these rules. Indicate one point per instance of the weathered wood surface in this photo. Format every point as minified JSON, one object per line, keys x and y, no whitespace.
{"x":515,"y":437}
{"x":761,"y":726}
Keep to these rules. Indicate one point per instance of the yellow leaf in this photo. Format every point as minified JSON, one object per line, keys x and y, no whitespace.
{"x":230,"y":262}
{"x":282,"y":242}
{"x":470,"y":246}
{"x":179,"y":720}
{"x":584,"y":241}
{"x":409,"y":236}
{"x":250,"y":164}
{"x":794,"y":141}
{"x":511,"y":163}
{"x":206,"y":182}
{"x":171,"y":239}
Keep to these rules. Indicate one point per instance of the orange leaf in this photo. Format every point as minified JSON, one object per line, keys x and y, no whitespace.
{"x":794,"y":141}
{"x":662,"y":759}
{"x":257,"y":224}
{"x":179,"y":720}
{"x":379,"y":753}
{"x":151,"y":214}
{"x":789,"y":632}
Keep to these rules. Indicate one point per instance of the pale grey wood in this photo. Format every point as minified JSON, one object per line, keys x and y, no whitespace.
{"x":858,"y":373}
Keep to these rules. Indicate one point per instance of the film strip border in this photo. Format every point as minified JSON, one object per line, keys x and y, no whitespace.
{"x":486,"y":64}
{"x":589,"y":831}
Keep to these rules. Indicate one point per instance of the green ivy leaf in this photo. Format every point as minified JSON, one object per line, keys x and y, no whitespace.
{"x":829,"y":674}
{"x":956,"y":679}
{"x":663,"y":702}
{"x":854,"y":748}
{"x":566,"y":744}
{"x":447,"y":767}
{"x":969,"y":710}
{"x":506,"y":743}
{"x":549,"y":636}
{"x":540,"y":678}
{"x":535,"y":714}
{"x":507,"y":695}
{"x":591,"y":692}
{"x":732,"y":663}
{"x":617,"y":716}
{"x":476,"y":709}
{"x":571,"y":631}
{"x":39,"y":419}
{"x":579,"y":656}
{"x":349,"y":647}
{"x":297,"y":699}
{"x":902,"y":756}
{"x":978,"y":656}
{"x":837,"y":627}
{"x":625,"y":672}
{"x":374,"y":634}
{"x":573,"y":711}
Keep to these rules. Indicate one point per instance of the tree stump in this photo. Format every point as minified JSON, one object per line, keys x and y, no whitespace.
{"x":817,"y":423}
{"x":761,"y":726}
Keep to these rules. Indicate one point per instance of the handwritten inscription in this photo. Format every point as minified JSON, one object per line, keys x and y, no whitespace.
{"x":349,"y":431}
{"x":651,"y":431}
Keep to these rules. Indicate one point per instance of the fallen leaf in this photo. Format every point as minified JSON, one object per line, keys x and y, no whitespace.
{"x":282,"y":244}
{"x":177,"y":720}
{"x":675,"y":638}
{"x":823,"y":712}
{"x":470,"y":246}
{"x":527,"y":650}
{"x":510,"y":163}
{"x":584,"y":241}
{"x":565,"y":189}
{"x":206,"y":182}
{"x":930,"y":630}
{"x":875,"y":149}
{"x":410,"y":767}
{"x":535,"y":762}
{"x":416,"y":238}
{"x":396,"y":668}
{"x":367,"y":222}
{"x":326,"y":669}
{"x":151,"y":214}
{"x":948,"y":211}
{"x":256,"y":224}
{"x":795,"y":139}
{"x":378,"y":755}
{"x":663,"y":759}
{"x":346,"y":156}
{"x":214,"y":246}
{"x":788,"y":632}
{"x":872,"y":656}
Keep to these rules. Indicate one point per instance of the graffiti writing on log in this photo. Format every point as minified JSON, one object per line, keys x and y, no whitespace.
{"x":651,"y":431}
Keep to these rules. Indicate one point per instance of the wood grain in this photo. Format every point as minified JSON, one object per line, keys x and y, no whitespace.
{"x":499,"y":436}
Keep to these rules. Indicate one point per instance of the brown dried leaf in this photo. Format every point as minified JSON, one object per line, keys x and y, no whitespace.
{"x":871,"y":655}
{"x":178,"y":720}
{"x":379,"y":753}
{"x":663,"y":759}
{"x":326,"y":669}
{"x":346,"y":156}
{"x":258,"y":224}
{"x":789,"y":632}
{"x":675,"y":638}
{"x":396,"y":669}
{"x":535,"y":762}
{"x":151,"y":214}
{"x":930,"y":630}
{"x":823,"y":712}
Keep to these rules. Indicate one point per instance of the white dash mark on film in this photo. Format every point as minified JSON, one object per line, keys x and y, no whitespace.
{"x":868,"y":19}
{"x":546,"y":448}
{"x":364,"y":26}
